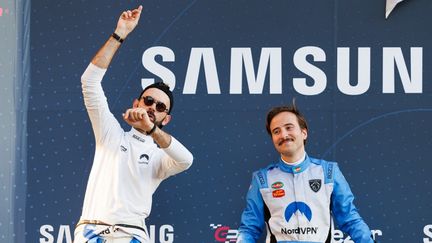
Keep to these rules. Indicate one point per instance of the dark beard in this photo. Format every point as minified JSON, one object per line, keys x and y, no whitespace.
{"x":158,"y":123}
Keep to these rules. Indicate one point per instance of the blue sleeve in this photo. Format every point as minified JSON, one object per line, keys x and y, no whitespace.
{"x":344,"y":211}
{"x":252,"y":219}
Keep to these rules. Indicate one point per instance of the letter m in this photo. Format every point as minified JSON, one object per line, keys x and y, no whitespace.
{"x":269,"y":57}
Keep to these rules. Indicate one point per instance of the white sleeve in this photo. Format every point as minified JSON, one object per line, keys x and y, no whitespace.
{"x":102,"y":120}
{"x":176,"y":159}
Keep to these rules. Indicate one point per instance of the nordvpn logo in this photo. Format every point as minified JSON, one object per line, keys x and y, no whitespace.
{"x":144,"y":159}
{"x":301,"y":207}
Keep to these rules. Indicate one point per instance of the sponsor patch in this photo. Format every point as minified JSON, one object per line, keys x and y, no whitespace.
{"x":277,"y":185}
{"x":261,"y":178}
{"x":144,"y":159}
{"x":301,"y":207}
{"x":278,"y":193}
{"x":138,"y":138}
{"x":329,"y":173}
{"x":315,"y":184}
{"x":224,"y":233}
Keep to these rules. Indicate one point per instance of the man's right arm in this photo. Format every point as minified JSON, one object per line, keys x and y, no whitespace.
{"x":252,"y":219}
{"x":94,"y":98}
{"x":126,"y":24}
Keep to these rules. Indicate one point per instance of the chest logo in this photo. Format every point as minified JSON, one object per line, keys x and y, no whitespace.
{"x":278,"y":193}
{"x":300,"y":207}
{"x":143,"y":159}
{"x":277,"y":185}
{"x":315,"y":184}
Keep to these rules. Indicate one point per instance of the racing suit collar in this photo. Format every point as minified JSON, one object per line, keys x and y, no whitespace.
{"x":295,"y":169}
{"x":139,"y":137}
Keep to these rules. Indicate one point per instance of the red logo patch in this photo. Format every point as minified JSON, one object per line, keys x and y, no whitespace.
{"x":279,"y":193}
{"x":277,"y":185}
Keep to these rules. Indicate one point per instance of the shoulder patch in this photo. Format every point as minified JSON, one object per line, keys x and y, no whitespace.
{"x":261,"y":178}
{"x":328,"y":170}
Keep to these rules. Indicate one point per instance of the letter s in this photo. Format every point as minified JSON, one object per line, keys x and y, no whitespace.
{"x":149,"y":63}
{"x":44,"y":231}
{"x":301,"y":63}
{"x":427,"y":230}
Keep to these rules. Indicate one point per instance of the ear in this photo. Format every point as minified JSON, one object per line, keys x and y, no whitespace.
{"x":166,"y":120}
{"x":135,"y":103}
{"x":305,"y":134}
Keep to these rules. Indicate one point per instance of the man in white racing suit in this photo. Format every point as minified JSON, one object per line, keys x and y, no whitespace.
{"x":128,"y":166}
{"x":295,"y":197}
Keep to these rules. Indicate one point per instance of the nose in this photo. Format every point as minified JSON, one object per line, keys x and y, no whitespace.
{"x":284,"y":133}
{"x":153,"y":106}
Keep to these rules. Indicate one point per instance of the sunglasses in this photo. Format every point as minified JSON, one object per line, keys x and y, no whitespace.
{"x":149,"y":101}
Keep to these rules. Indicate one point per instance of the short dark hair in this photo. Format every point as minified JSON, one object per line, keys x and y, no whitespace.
{"x":291,"y":108}
{"x":164,"y":88}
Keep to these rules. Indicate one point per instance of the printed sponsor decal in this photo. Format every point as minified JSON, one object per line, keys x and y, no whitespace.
{"x":315,"y":184}
{"x":301,"y":207}
{"x":144,"y":159}
{"x":123,"y":148}
{"x":329,"y":171}
{"x":224,"y":233}
{"x":277,"y":185}
{"x":300,"y":230}
{"x":278,"y":193}
{"x":138,"y":138}
{"x":261,"y":178}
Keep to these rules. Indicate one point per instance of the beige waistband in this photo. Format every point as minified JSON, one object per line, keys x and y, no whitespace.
{"x":98,"y":222}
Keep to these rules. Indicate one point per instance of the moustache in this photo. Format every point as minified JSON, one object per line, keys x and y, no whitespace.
{"x":283,"y":140}
{"x":151,"y":114}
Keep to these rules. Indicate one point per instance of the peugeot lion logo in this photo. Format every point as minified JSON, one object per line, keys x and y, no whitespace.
{"x":315,"y":185}
{"x":302,"y":207}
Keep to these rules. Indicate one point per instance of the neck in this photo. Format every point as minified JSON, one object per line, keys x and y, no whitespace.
{"x":294,"y":159}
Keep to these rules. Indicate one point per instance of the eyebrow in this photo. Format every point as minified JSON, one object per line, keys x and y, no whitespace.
{"x":284,"y":125}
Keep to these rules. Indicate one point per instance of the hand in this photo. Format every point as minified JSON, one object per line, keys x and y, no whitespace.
{"x":138,"y":118}
{"x":128,"y":21}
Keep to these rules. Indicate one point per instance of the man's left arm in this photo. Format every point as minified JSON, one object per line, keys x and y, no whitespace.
{"x":177,"y":158}
{"x":344,"y":211}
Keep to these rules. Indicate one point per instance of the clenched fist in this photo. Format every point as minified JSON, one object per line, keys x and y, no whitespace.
{"x":138,"y":118}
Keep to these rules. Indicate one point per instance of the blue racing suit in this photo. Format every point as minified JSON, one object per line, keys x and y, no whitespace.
{"x":295,"y":203}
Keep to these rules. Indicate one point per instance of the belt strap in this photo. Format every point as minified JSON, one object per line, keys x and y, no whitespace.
{"x":98,"y":222}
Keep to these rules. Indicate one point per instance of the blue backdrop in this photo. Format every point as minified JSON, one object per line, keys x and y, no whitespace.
{"x":373,"y":116}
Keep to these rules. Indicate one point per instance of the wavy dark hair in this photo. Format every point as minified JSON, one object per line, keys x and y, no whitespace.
{"x":290,"y":108}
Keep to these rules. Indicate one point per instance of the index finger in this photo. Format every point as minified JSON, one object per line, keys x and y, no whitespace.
{"x":138,"y":10}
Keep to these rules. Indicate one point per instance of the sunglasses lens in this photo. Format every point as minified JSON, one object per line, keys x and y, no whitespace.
{"x":148,"y":100}
{"x":161,"y":107}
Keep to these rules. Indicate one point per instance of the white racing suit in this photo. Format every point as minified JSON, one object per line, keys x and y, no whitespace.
{"x":127,"y":169}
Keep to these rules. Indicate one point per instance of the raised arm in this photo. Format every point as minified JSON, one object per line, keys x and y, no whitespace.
{"x":126,"y":24}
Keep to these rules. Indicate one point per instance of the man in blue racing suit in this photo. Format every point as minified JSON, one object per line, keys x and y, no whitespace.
{"x":296,"y":197}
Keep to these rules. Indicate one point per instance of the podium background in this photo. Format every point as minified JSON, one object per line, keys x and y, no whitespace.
{"x":381,"y":141}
